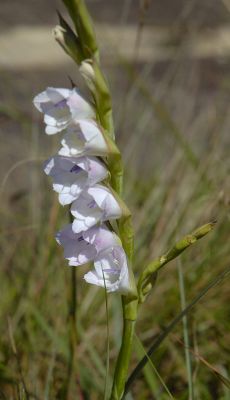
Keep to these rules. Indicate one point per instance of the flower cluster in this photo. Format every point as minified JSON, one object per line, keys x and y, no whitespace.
{"x":78,"y":171}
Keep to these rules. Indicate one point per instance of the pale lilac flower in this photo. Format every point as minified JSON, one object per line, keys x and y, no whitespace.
{"x":71,"y":175}
{"x":60,"y":106}
{"x":94,"y":204}
{"x":83,"y":137}
{"x":110,"y":270}
{"x":80,"y":248}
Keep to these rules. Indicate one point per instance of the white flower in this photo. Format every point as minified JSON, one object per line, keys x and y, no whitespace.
{"x":60,"y":106}
{"x":111,"y":270}
{"x":83,"y":137}
{"x":94,"y":204}
{"x":71,"y":175}
{"x":80,"y":248}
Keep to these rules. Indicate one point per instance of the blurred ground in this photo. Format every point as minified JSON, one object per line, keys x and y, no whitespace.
{"x":168,"y":68}
{"x":195,"y":35}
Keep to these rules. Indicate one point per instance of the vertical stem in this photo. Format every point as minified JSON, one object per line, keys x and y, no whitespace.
{"x":83,"y":48}
{"x":185,"y":332}
{"x":129,"y":306}
{"x":121,"y":371}
{"x":101,"y":94}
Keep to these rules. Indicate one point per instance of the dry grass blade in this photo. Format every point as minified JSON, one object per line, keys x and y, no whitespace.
{"x":213,"y":369}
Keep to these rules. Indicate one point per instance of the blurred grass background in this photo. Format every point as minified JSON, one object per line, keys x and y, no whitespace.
{"x":168,"y":68}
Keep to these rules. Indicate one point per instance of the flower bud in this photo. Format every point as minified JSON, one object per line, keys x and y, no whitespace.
{"x":87,"y":71}
{"x":69,"y":42}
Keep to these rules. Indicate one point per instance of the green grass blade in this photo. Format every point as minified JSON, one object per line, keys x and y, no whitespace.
{"x":150,"y":378}
{"x":153,"y":367}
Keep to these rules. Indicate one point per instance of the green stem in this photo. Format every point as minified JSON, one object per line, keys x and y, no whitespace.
{"x":121,"y":371}
{"x":116,"y":170}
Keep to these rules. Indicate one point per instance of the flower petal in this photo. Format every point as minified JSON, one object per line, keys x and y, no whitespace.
{"x":106,"y":201}
{"x":76,"y":250}
{"x":111,"y":271}
{"x":86,"y":212}
{"x":94,"y":204}
{"x":60,"y":106}
{"x":72,"y":175}
{"x":101,"y":237}
{"x":79,"y":107}
{"x":83,"y":137}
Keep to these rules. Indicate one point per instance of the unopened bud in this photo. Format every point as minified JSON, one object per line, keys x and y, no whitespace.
{"x":58,"y":33}
{"x":87,"y":71}
{"x":69,"y":42}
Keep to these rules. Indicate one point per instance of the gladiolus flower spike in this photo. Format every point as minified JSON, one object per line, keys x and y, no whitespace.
{"x":87,"y":174}
{"x":81,"y":178}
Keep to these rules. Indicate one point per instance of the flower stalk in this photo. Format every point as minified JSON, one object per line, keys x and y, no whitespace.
{"x":87,"y":174}
{"x":122,"y":365}
{"x":96,"y":82}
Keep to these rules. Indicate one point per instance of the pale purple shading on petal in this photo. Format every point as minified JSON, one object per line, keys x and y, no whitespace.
{"x":76,"y":169}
